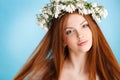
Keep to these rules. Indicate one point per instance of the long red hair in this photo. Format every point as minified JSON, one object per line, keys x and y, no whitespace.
{"x":47,"y":60}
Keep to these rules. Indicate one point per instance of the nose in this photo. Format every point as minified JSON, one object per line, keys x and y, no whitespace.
{"x":79,"y":35}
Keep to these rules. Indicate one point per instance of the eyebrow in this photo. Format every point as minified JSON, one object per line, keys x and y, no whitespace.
{"x":80,"y":24}
{"x":83,"y":22}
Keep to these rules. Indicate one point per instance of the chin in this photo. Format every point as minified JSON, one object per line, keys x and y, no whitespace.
{"x":85,"y":49}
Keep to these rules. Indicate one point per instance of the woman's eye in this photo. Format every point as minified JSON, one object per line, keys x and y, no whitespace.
{"x":68,"y":32}
{"x":85,"y":25}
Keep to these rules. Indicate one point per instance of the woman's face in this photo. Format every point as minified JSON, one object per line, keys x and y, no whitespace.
{"x":78,"y":36}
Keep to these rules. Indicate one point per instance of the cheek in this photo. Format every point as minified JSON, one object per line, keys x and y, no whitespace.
{"x":71,"y":42}
{"x":89,"y":35}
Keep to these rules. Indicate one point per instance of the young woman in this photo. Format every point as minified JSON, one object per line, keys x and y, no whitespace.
{"x":74,"y":48}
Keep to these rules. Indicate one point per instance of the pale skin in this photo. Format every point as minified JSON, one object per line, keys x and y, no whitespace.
{"x":78,"y":38}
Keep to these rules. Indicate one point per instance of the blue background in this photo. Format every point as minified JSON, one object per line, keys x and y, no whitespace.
{"x":19,"y":33}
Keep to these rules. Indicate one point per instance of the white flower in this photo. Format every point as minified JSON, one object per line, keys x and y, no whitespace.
{"x":94,"y":4}
{"x":97,"y":9}
{"x":57,"y":11}
{"x":56,"y":14}
{"x":45,"y":27}
{"x":85,"y":11}
{"x":89,"y":11}
{"x":96,"y":18}
{"x":41,"y":23}
{"x":103,"y":12}
{"x":84,"y":0}
{"x":70,"y":8}
{"x":46,"y":16}
{"x":65,"y":0}
{"x":45,"y":10}
{"x":58,"y":8}
{"x":80,"y":11}
{"x":80,"y":5}
{"x":62,"y":7}
{"x":55,"y":0}
{"x":49,"y":12}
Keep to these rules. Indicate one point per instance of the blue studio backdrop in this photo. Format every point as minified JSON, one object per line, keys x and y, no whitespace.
{"x":19,"y":33}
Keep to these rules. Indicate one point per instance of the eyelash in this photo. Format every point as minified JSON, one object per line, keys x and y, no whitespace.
{"x":68,"y":32}
{"x":85,"y":25}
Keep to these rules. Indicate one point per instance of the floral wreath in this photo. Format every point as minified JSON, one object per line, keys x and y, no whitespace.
{"x":57,"y":8}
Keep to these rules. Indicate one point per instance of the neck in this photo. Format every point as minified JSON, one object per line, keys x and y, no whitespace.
{"x":77,"y":61}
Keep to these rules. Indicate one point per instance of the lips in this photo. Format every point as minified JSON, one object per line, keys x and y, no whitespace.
{"x":82,"y":43}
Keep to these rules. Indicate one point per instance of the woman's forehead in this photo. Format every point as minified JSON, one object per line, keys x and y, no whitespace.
{"x":74,"y":19}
